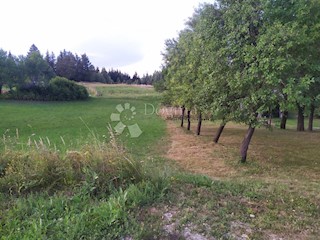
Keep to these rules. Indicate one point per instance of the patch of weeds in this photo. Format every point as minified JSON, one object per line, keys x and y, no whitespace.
{"x":197,"y":180}
{"x":92,"y":193}
{"x":80,"y":216}
{"x":147,"y":192}
{"x":59,"y":217}
{"x":38,"y":168}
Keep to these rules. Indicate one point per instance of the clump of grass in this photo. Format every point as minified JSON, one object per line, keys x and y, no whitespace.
{"x":90,"y":193}
{"x":106,"y":165}
{"x":79,"y":217}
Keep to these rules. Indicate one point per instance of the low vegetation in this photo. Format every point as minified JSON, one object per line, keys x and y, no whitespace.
{"x":39,"y":168}
{"x":88,"y":193}
{"x":70,"y":180}
{"x":58,"y":89}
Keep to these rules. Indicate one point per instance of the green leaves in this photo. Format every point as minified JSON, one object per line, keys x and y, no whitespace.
{"x":238,"y":58}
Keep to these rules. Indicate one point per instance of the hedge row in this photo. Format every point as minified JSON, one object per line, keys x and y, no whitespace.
{"x":58,"y":89}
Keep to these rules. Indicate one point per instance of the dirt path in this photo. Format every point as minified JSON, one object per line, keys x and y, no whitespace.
{"x":195,"y":154}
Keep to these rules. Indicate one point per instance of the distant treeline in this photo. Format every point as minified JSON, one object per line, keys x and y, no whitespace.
{"x":36,"y":69}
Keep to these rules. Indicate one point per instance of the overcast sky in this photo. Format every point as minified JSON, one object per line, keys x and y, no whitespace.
{"x":122,"y":34}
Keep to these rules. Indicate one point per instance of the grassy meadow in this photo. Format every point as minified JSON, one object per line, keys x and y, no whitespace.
{"x":64,"y":175}
{"x":68,"y":125}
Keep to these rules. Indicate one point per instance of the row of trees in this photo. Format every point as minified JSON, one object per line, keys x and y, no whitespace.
{"x":36,"y":69}
{"x":239,"y":59}
{"x":17,"y":71}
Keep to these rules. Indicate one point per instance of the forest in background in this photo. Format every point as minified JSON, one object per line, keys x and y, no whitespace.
{"x":36,"y":69}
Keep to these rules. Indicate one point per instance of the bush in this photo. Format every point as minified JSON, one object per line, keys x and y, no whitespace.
{"x":62,"y":89}
{"x":28,"y":93}
{"x":58,"y":89}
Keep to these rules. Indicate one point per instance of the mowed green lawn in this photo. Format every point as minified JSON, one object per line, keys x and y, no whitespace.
{"x":69,"y":125}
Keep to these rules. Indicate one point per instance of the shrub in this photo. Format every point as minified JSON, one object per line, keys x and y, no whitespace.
{"x":63,"y":89}
{"x":28,"y":92}
{"x":58,"y":89}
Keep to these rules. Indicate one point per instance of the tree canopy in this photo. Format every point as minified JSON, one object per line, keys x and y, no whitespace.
{"x":240,"y":59}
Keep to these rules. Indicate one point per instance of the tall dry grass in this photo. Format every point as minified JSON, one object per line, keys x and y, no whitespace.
{"x":38,"y":166}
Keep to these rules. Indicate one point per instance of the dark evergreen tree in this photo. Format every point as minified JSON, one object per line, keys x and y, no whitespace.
{"x":3,"y":77}
{"x":67,"y":65}
{"x":106,"y":76}
{"x":87,"y":69}
{"x":37,"y":69}
{"x":135,"y":79}
{"x":51,"y":60}
{"x":13,"y":72}
{"x":155,"y":79}
{"x":33,"y":49}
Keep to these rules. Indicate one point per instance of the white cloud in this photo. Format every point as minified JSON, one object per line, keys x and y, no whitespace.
{"x":122,"y":34}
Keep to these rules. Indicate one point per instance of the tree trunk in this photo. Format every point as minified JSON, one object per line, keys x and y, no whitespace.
{"x":284,"y":118}
{"x":219,"y":132}
{"x":189,"y":122}
{"x":270,"y":119}
{"x":182,"y":115}
{"x":300,"y":122}
{"x":311,"y":116}
{"x":245,"y":144}
{"x":199,"y":123}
